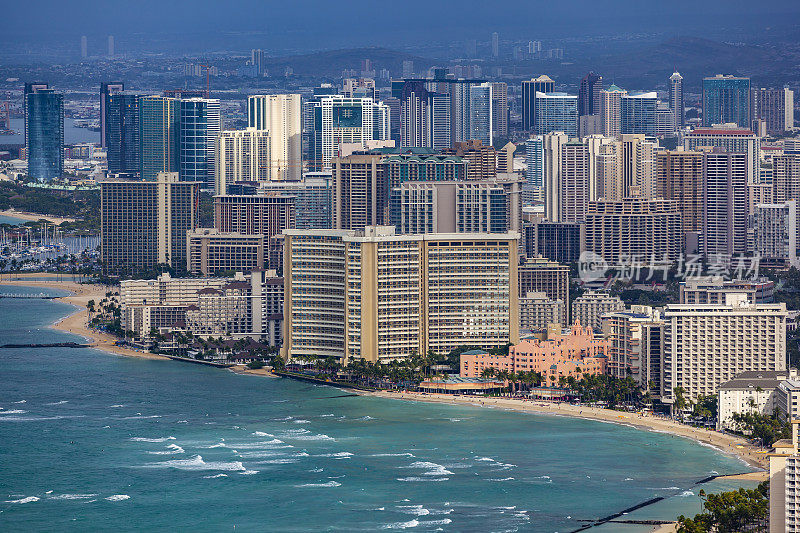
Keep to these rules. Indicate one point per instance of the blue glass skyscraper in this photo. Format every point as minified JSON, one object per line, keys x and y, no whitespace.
{"x":726,"y":99}
{"x":44,"y":133}
{"x":122,"y":133}
{"x":638,"y":113}
{"x":199,"y":128}
{"x":158,"y":136}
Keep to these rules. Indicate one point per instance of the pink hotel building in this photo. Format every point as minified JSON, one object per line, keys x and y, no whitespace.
{"x":573,"y":354}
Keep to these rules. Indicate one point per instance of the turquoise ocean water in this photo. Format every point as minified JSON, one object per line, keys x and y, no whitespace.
{"x":92,"y":441}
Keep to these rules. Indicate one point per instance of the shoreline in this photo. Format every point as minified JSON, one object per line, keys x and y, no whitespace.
{"x":77,"y":323}
{"x":721,"y":442}
{"x":34,"y":217}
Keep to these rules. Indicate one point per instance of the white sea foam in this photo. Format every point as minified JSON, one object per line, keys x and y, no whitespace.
{"x":22,"y":401}
{"x":414,"y":478}
{"x":392,"y":455}
{"x":172,"y":449}
{"x":140,"y":417}
{"x":302,"y":421}
{"x":686,"y":494}
{"x":402,"y":525}
{"x":249,"y":472}
{"x":486,"y":459}
{"x":418,"y":510}
{"x":337,"y":455}
{"x":628,"y":479}
{"x":147,"y":439}
{"x":320,"y":436}
{"x":432,"y":469}
{"x":72,"y":496}
{"x":367,"y":417}
{"x":501,"y":479}
{"x":442,"y":522}
{"x":182,"y":422}
{"x":327,"y":415}
{"x":283,"y":461}
{"x":320,"y":485}
{"x":262,"y":434}
{"x":197,"y":463}
{"x":663,"y":488}
{"x":62,"y":402}
{"x":118,"y":497}
{"x":215,"y":476}
{"x":290,"y":433}
{"x":27,"y":499}
{"x":262,"y":454}
{"x":13,"y":412}
{"x":117,"y":406}
{"x":31,"y":418}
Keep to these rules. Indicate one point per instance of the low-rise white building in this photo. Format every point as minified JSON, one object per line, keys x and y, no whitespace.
{"x":751,"y":392}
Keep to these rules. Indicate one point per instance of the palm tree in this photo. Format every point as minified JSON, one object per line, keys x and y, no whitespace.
{"x":680,"y":401}
{"x":488,"y":372}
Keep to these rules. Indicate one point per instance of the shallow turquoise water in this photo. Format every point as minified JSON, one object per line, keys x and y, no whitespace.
{"x":101,"y":442}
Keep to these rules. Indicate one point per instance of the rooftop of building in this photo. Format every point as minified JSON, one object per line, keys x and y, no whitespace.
{"x":766,"y":380}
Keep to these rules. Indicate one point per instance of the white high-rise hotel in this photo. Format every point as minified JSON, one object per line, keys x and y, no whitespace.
{"x":707,"y":345}
{"x":280,"y":114}
{"x":379,"y":296}
{"x":242,"y":155}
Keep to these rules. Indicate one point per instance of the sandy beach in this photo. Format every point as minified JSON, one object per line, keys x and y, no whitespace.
{"x":78,"y":321}
{"x":736,"y":446}
{"x":35,"y":217}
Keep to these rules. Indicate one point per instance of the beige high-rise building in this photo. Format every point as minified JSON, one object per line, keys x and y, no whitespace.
{"x":680,"y":178}
{"x":605,"y":170}
{"x":360,"y":191}
{"x":144,"y":223}
{"x":280,"y":114}
{"x":589,"y":308}
{"x":707,"y":345}
{"x":211,"y":252}
{"x":505,"y":158}
{"x":482,"y":159}
{"x":552,"y":144}
{"x":635,"y":345}
{"x":537,"y":311}
{"x":378,"y":296}
{"x":242,"y":155}
{"x":611,"y":110}
{"x":638,"y":166}
{"x":623,"y":167}
{"x":634,"y":229}
{"x":500,"y":108}
{"x":573,"y":190}
{"x":539,"y":274}
{"x":786,"y":181}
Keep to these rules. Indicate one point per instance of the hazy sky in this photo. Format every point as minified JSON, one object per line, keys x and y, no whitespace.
{"x":368,"y":21}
